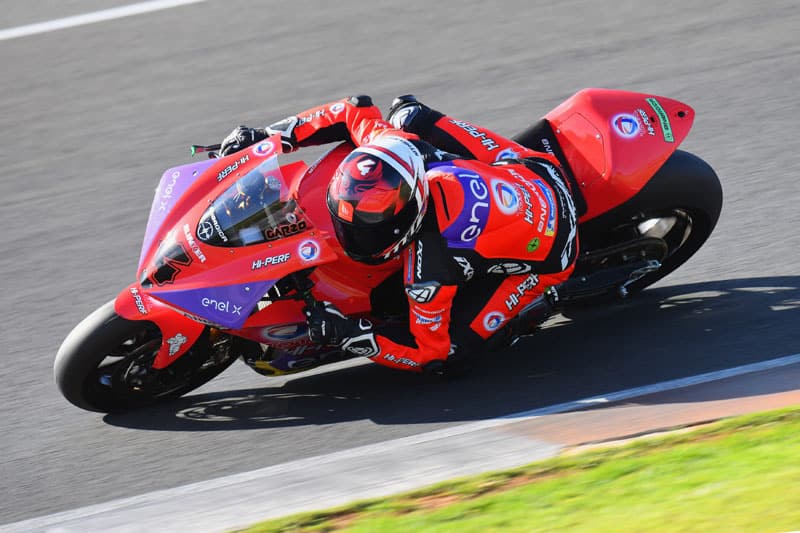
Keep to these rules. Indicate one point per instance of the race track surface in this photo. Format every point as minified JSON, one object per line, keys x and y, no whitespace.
{"x":90,"y":117}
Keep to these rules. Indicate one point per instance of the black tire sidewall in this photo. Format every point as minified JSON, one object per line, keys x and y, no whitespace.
{"x":87,"y":346}
{"x":83,"y":350}
{"x":684,"y":182}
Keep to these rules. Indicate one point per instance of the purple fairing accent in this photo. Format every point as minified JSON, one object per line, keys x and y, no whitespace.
{"x":471,"y":221}
{"x":304,"y":357}
{"x":173,"y":184}
{"x":228,"y":306}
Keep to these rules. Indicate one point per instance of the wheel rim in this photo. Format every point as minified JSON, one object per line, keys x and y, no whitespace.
{"x":125,"y":370}
{"x":674,"y":228}
{"x":683,"y":230}
{"x":126,"y":374}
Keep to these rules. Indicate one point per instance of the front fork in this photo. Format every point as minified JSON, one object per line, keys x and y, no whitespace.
{"x":178,"y":332}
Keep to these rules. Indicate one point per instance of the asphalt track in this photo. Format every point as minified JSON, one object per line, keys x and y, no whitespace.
{"x":90,"y":116}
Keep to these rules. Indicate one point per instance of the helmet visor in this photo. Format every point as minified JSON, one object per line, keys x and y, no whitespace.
{"x":373,"y":243}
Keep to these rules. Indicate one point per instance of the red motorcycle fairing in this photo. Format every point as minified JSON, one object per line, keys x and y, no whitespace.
{"x":197,"y":269}
{"x":615,"y":141}
{"x":178,"y":332}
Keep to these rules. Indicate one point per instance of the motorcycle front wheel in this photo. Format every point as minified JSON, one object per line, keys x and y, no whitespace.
{"x":105,"y":363}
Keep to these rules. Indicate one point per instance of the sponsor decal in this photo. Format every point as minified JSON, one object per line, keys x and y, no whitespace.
{"x":175,"y":343}
{"x":567,"y":212}
{"x":284,"y":230}
{"x":138,"y":300}
{"x":505,"y":197}
{"x":409,"y":268}
{"x":547,"y":146}
{"x":474,"y":214}
{"x":336,"y":108}
{"x":419,"y":260}
{"x":626,"y":125}
{"x":166,"y":194}
{"x":225,"y":172}
{"x":218,"y":228}
{"x":187,"y":234}
{"x":550,"y":230}
{"x":400,"y":360}
{"x":508,"y":153}
{"x":363,"y":345}
{"x":311,"y":116}
{"x":264,"y":149}
{"x":488,"y":143}
{"x":345,"y":211}
{"x":270,"y":260}
{"x":207,"y":228}
{"x":646,"y":121}
{"x":528,"y":284}
{"x":432,"y":319}
{"x":533,"y":245}
{"x":522,"y":189}
{"x":224,"y":306}
{"x":493,"y":320}
{"x":666,"y":127}
{"x":423,"y":293}
{"x":465,"y":265}
{"x":308,"y":250}
{"x":366,"y":167}
{"x":509,"y":269}
{"x":476,"y":222}
{"x":286,"y":129}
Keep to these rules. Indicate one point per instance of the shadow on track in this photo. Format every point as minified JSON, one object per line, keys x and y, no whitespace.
{"x":662,"y":334}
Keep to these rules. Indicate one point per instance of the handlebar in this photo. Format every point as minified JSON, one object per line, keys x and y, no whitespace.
{"x":212,"y":149}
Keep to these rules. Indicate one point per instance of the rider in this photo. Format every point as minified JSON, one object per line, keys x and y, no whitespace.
{"x":482,"y":224}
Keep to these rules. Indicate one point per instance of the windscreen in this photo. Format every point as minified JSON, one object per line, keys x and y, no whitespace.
{"x":257,"y":208}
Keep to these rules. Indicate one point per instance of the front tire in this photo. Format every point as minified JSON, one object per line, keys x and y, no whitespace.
{"x":105,"y":363}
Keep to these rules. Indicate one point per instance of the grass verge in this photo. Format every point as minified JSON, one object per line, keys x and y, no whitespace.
{"x":740,"y":474}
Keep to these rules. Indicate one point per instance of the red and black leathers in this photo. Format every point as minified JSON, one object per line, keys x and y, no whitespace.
{"x":500,"y":228}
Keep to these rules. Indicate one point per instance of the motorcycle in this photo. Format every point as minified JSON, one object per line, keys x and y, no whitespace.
{"x":235,"y":247}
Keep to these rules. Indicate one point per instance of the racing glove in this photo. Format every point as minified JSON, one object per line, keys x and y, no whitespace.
{"x":328,"y":326}
{"x":241,"y":137}
{"x":403,"y":110}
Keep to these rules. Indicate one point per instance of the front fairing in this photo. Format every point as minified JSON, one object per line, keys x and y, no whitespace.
{"x":222,"y":232}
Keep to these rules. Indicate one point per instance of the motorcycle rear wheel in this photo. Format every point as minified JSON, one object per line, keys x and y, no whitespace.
{"x":680,"y":205}
{"x":105,"y":364}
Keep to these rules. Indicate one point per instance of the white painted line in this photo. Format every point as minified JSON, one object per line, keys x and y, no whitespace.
{"x":221,"y":496}
{"x":91,"y":18}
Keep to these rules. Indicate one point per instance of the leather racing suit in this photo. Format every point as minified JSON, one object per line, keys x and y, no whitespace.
{"x":500,"y":228}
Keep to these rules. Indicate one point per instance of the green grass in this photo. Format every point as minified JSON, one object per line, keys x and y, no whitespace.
{"x":741,"y":474}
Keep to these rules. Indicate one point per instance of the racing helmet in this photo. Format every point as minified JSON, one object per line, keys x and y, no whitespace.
{"x":377,"y":199}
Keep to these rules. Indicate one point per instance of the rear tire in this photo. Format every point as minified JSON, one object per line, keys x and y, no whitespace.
{"x":681,"y":205}
{"x":105,"y":364}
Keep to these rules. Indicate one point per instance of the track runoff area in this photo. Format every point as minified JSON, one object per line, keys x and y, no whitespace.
{"x":338,"y":478}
